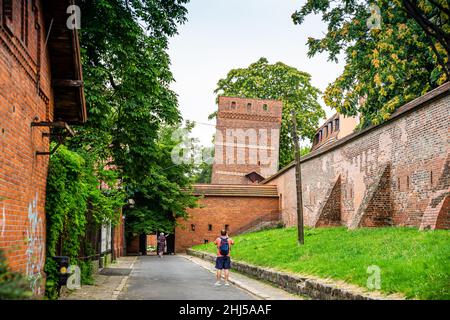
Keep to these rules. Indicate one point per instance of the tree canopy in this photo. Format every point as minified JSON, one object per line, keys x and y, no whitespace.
{"x":278,"y":81}
{"x":386,"y":66}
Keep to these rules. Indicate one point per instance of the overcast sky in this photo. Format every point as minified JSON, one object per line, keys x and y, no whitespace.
{"x":221,"y":35}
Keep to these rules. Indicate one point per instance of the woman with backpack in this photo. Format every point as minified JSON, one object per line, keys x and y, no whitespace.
{"x":223,"y":260}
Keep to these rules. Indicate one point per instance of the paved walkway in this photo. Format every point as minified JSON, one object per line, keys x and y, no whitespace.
{"x":258,"y":288}
{"x":176,"y":278}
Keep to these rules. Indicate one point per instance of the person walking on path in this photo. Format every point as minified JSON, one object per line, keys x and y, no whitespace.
{"x":162,"y":244}
{"x":223,"y":260}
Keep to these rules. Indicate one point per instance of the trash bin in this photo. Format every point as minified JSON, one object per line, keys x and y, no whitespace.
{"x":63,"y":266}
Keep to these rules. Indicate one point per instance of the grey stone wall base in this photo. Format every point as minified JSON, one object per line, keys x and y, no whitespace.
{"x":315,"y":288}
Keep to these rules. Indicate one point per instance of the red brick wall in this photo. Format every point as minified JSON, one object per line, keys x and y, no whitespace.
{"x":133,"y":246}
{"x":415,"y":146}
{"x":119,"y":237}
{"x":233,"y":163}
{"x":23,"y":173}
{"x":236,"y":212}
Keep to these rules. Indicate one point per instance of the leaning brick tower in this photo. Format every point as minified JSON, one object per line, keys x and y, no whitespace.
{"x":247,"y":140}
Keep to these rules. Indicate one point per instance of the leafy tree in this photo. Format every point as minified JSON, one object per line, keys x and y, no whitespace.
{"x":165,"y":195}
{"x":433,"y":17}
{"x":127,"y":75}
{"x":203,"y":173}
{"x":385,"y":67}
{"x":280,"y":82}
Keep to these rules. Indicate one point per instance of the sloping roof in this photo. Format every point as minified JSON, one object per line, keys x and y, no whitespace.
{"x":254,"y":176}
{"x":64,"y":50}
{"x":235,"y":190}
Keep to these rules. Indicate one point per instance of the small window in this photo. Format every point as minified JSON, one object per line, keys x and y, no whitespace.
{"x":265,"y":107}
{"x":407,"y":182}
{"x":8,"y":9}
{"x":259,"y":163}
{"x":209,"y":227}
{"x":193,"y":227}
{"x":431,"y":178}
{"x":336,"y":125}
{"x":227,"y":227}
{"x":205,"y":241}
{"x":233,"y":105}
{"x":330,"y":127}
{"x":325,"y":132}
{"x":249,"y":107}
{"x":398,"y":184}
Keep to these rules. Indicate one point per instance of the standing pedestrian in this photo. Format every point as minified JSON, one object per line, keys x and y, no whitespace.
{"x":162,"y":244}
{"x":223,"y":260}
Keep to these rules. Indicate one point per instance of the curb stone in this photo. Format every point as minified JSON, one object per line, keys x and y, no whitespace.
{"x":315,"y":288}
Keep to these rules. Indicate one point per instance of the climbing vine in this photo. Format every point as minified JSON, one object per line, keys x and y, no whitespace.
{"x":80,"y":193}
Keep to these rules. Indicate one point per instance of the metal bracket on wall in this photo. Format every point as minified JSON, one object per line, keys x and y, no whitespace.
{"x":60,"y":137}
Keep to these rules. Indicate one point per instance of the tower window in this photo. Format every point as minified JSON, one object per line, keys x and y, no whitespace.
{"x":336,"y":124}
{"x":233,"y":105}
{"x":265,"y":107}
{"x":227,"y":227}
{"x":431,"y":178}
{"x":205,"y":241}
{"x":193,"y":227}
{"x":209,"y":227}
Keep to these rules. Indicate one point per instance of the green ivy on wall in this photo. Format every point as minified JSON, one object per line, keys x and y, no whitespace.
{"x":77,"y":202}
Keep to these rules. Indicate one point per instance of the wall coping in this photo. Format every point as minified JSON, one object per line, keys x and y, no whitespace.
{"x":439,"y":92}
{"x":313,"y":287}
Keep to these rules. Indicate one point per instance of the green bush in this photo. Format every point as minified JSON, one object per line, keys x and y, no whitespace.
{"x":74,"y":203}
{"x":13,"y":286}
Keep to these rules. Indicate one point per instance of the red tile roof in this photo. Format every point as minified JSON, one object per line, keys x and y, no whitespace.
{"x":235,"y":190}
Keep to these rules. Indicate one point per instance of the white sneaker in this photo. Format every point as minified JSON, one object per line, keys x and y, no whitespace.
{"x":218,"y":283}
{"x":227,"y":283}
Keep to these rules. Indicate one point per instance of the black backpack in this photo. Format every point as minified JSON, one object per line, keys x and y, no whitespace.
{"x":224,"y":247}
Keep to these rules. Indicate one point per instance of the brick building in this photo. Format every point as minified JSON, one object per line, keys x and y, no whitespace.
{"x":395,"y":173}
{"x":334,"y":129}
{"x":40,"y":88}
{"x":236,"y":208}
{"x":246,"y":141}
{"x":246,"y":151}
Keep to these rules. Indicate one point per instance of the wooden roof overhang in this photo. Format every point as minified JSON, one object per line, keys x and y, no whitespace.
{"x":65,"y":63}
{"x":254,"y":177}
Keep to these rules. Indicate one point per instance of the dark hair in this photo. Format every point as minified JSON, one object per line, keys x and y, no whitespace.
{"x":223,"y":232}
